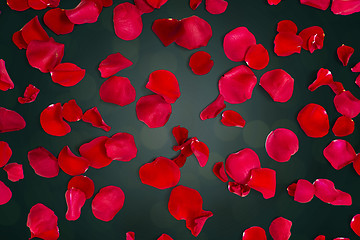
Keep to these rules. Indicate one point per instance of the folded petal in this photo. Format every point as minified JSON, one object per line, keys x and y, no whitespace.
{"x":75,"y":200}
{"x":324,"y":77}
{"x":231,"y":118}
{"x":52,"y":122}
{"x":127,"y":21}
{"x":194,"y":4}
{"x":344,"y":53}
{"x":5,"y":81}
{"x":326,"y":192}
{"x":72,"y":164}
{"x":112,"y":64}
{"x":264,"y":181}
{"x":143,"y":6}
{"x":303,"y":191}
{"x":93,"y":116}
{"x":313,"y":120}
{"x":278,"y":84}
{"x":18,"y":40}
{"x":239,"y":189}
{"x":121,"y":147}
{"x":14,"y":171}
{"x":71,"y":112}
{"x":287,"y":43}
{"x":84,"y":184}
{"x":219,"y":171}
{"x":67,"y":74}
{"x":213,"y":109}
{"x":43,"y":162}
{"x":117,"y":90}
{"x":107,"y":203}
{"x":181,"y":134}
{"x":201,"y":152}
{"x":346,"y":104}
{"x":58,"y":22}
{"x":196,"y":224}
{"x":165,"y":84}
{"x":237,"y":42}
{"x":281,"y":144}
{"x":95,"y":152}
{"x":87,"y":11}
{"x":10,"y":121}
{"x":313,"y":38}
{"x":33,"y":31}
{"x":30,"y":94}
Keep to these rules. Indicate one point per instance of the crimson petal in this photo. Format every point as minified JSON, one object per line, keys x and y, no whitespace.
{"x":322,"y":4}
{"x":75,"y":200}
{"x":339,"y":153}
{"x":236,"y":86}
{"x":304,"y":191}
{"x":356,"y":68}
{"x":83,"y":183}
{"x":239,"y":189}
{"x":127,"y":21}
{"x":18,"y":5}
{"x":121,"y":147}
{"x":257,"y":57}
{"x":33,"y":31}
{"x":323,"y":77}
{"x":167,"y":30}
{"x":10,"y":121}
{"x":107,"y":3}
{"x":58,"y":22}
{"x":237,"y":42}
{"x":195,"y":225}
{"x":287,"y":43}
{"x":355,"y":224}
{"x":113,"y":64}
{"x":216,"y":6}
{"x":93,"y":116}
{"x":130,"y":235}
{"x":143,"y":6}
{"x":343,"y":126}
{"x":5,"y":153}
{"x":313,"y":38}
{"x":287,"y":26}
{"x":30,"y":94}
{"x":180,"y":134}
{"x":219,"y":171}
{"x":278,"y":84}
{"x":107,"y":203}
{"x":281,"y":144}
{"x":313,"y":120}
{"x":201,"y":152}
{"x":254,"y":233}
{"x":194,"y":4}
{"x":326,"y":192}
{"x":5,"y":81}
{"x":156,"y":3}
{"x":52,"y":122}
{"x":346,"y":104}
{"x":118,"y":90}
{"x":42,"y":222}
{"x":71,"y":111}
{"x":67,"y":74}
{"x":273,"y":2}
{"x":344,"y":53}
{"x":14,"y":171}
{"x":320,"y":237}
{"x":264,"y":181}
{"x":164,"y":83}
{"x":162,"y":173}
{"x":18,"y":40}
{"x":337,"y":87}
{"x":232,"y":119}
{"x":164,"y":237}
{"x":72,"y":164}
{"x":95,"y":152}
{"x":213,"y":109}
{"x":345,"y":7}
{"x":5,"y":193}
{"x":201,"y":63}
{"x":43,"y":162}
{"x":280,"y":228}
{"x":87,"y":11}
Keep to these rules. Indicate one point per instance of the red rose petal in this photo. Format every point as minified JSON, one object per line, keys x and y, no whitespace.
{"x":287,"y":26}
{"x":304,"y":191}
{"x":216,"y":6}
{"x":93,"y":116}
{"x":281,"y":144}
{"x":239,"y":189}
{"x":280,"y":228}
{"x":278,"y":84}
{"x":5,"y":153}
{"x":112,"y":64}
{"x":164,"y":83}
{"x":287,"y":43}
{"x":121,"y":147}
{"x":257,"y":57}
{"x":355,"y":224}
{"x":130,"y":235}
{"x":118,"y":90}
{"x":357,"y":81}
{"x":43,"y":162}
{"x":194,"y":32}
{"x":107,"y":3}
{"x":162,"y":173}
{"x":83,"y":183}
{"x":87,"y":11}
{"x":237,"y":42}
{"x":18,"y":5}
{"x":326,"y":192}
{"x":236,"y":86}
{"x":167,"y":30}
{"x":153,"y":110}
{"x":181,"y":160}
{"x":72,"y":164}
{"x":201,"y":152}
{"x":71,"y":112}
{"x":213,"y":109}
{"x":231,"y":118}
{"x":324,"y":77}
{"x":320,"y":4}
{"x":239,"y":165}
{"x":343,"y":199}
{"x":320,"y":237}
{"x":44,"y":55}
{"x":356,"y":164}
{"x":264,"y":181}
{"x":5,"y":194}
{"x":143,"y":6}
{"x":254,"y":233}
{"x":95,"y":152}
{"x":34,"y":31}
{"x":343,"y":126}
{"x":201,"y":63}
{"x":156,"y":3}
{"x":52,"y":122}
{"x":337,"y":87}
{"x":345,"y":7}
{"x":219,"y":171}
{"x":313,"y":38}
{"x":194,"y":4}
{"x":180,"y":134}
{"x":18,"y":40}
{"x":5,"y":81}
{"x":339,"y":153}
{"x":58,"y":22}
{"x":10,"y":121}
{"x":346,"y":104}
{"x":127,"y":21}
{"x":356,"y":68}
{"x":344,"y":53}
{"x":313,"y":120}
{"x":273,"y":2}
{"x":75,"y":200}
{"x":42,"y":222}
{"x":14,"y":171}
{"x":30,"y":94}
{"x":164,"y":237}
{"x":107,"y":203}
{"x":67,"y":74}
{"x":37,"y":4}
{"x":195,"y":225}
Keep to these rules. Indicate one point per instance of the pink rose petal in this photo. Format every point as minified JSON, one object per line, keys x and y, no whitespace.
{"x":5,"y":194}
{"x":339,"y":153}
{"x":93,"y":116}
{"x":216,"y":6}
{"x":280,"y":228}
{"x":281,"y":144}
{"x":112,"y":64}
{"x":67,"y":74}
{"x":165,"y":84}
{"x":254,"y":233}
{"x":213,"y":109}
{"x":201,"y":152}
{"x":313,"y":120}
{"x":346,"y":104}
{"x":356,"y":68}
{"x":43,"y":162}
{"x":231,"y":118}
{"x":278,"y":84}
{"x":345,"y":7}
{"x":127,"y":21}
{"x":304,"y":191}
{"x":87,"y":11}
{"x":75,"y":200}
{"x":130,"y":235}
{"x":326,"y":192}
{"x":344,"y":53}
{"x":30,"y":94}
{"x":42,"y":222}
{"x":95,"y":152}
{"x":5,"y":81}
{"x":237,"y":42}
{"x":5,"y":153}
{"x":52,"y":122}
{"x":107,"y":203}
{"x":10,"y":121}
{"x":14,"y":171}
{"x":118,"y":90}
{"x":264,"y":181}
{"x":121,"y":147}
{"x":320,"y":4}
{"x":71,"y":111}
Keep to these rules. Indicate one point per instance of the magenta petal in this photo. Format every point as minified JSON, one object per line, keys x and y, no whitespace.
{"x":281,"y":144}
{"x":93,"y":116}
{"x":201,"y":152}
{"x":5,"y":153}
{"x":121,"y":147}
{"x":130,"y":235}
{"x":213,"y":109}
{"x":87,"y":11}
{"x":342,"y":199}
{"x":320,"y":4}
{"x":345,"y":7}
{"x":280,"y":228}
{"x":339,"y":153}
{"x":346,"y":104}
{"x":43,"y":162}
{"x":304,"y":191}
{"x":216,"y":6}
{"x":356,"y":68}
{"x":113,"y":64}
{"x":355,"y":224}
{"x":164,"y":237}
{"x":75,"y":200}
{"x":278,"y":84}
{"x":127,"y":21}
{"x":5,"y":193}
{"x":237,"y":42}
{"x":5,"y":80}
{"x":14,"y":171}
{"x":10,"y":121}
{"x":118,"y":90}
{"x":42,"y":222}
{"x":107,"y":203}
{"x":326,"y":192}
{"x":236,"y":86}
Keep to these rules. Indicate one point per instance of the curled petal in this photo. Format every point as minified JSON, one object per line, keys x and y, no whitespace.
{"x":43,"y":162}
{"x":264,"y":181}
{"x":153,"y":110}
{"x":18,"y":5}
{"x":326,"y":192}
{"x":156,"y":3}
{"x":346,"y":104}
{"x":201,"y":152}
{"x":339,"y":153}
{"x":313,"y":120}
{"x":237,"y":42}
{"x":313,"y":38}
{"x":164,"y":83}
{"x":30,"y":94}
{"x":93,"y":116}
{"x":287,"y":26}
{"x":239,"y":165}
{"x":143,"y":6}
{"x":42,"y":222}
{"x":180,"y":134}
{"x":219,"y":171}
{"x":280,"y":228}
{"x":33,"y":31}
{"x":118,"y":90}
{"x":52,"y":122}
{"x":257,"y":57}
{"x":5,"y":153}
{"x":236,"y":86}
{"x":345,"y":7}
{"x":75,"y":200}
{"x":239,"y":189}
{"x":95,"y":152}
{"x":167,"y":30}
{"x":5,"y":81}
{"x":231,"y":118}
{"x":83,"y":183}
{"x":71,"y":111}
{"x":281,"y":144}
{"x":201,"y":63}
{"x":18,"y":40}
{"x":213,"y":109}
{"x":72,"y":164}
{"x":113,"y":64}
{"x":67,"y":74}
{"x":162,"y":173}
{"x":121,"y":147}
{"x":216,"y":6}
{"x":324,"y":77}
{"x":130,"y":235}
{"x":196,"y":224}
{"x":181,"y":160}
{"x":344,"y":53}
{"x":287,"y":43}
{"x":10,"y":121}
{"x":194,"y":32}
{"x":127,"y":21}
{"x":278,"y":84}
{"x":87,"y":11}
{"x":322,"y":4}
{"x":14,"y":171}
{"x":58,"y":22}
{"x":5,"y":193}
{"x":194,"y":4}
{"x":107,"y":203}
{"x":41,"y":4}
{"x":254,"y":233}
{"x":343,"y":126}
{"x":355,"y":224}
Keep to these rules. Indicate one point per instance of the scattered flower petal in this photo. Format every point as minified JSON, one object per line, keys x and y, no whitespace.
{"x":324,"y":77}
{"x":58,"y":22}
{"x":87,"y":11}
{"x":237,"y":42}
{"x":343,"y":126}
{"x":345,"y":7}
{"x":83,"y":183}
{"x":257,"y":57}
{"x":107,"y":3}
{"x":213,"y":109}
{"x":118,"y":90}
{"x":95,"y":152}
{"x":72,"y":164}
{"x":303,"y":191}
{"x":344,"y":53}
{"x":356,"y":68}
{"x":143,"y":6}
{"x":42,"y":222}
{"x":216,"y":6}
{"x":156,"y":3}
{"x":313,"y":120}
{"x":71,"y":112}
{"x":180,"y":134}
{"x":10,"y":121}
{"x":52,"y":122}
{"x":107,"y":203}
{"x":337,"y":87}
{"x":201,"y":63}
{"x":313,"y":38}
{"x":5,"y":81}
{"x":43,"y":162}
{"x":219,"y":171}
{"x":130,"y":235}
{"x":322,"y":4}
{"x":18,"y":40}
{"x":280,"y":228}
{"x":75,"y":200}
{"x":281,"y":144}
{"x":287,"y":26}
{"x":273,"y":2}
{"x":264,"y":181}
{"x":231,"y":118}
{"x":112,"y":64}
{"x":42,"y":4}
{"x":195,"y":225}
{"x":339,"y":153}
{"x":67,"y":74}
{"x":239,"y":189}
{"x":287,"y":43}
{"x":254,"y":233}
{"x":164,"y":237}
{"x":14,"y":171}
{"x":5,"y":153}
{"x":33,"y":31}
{"x":326,"y":192}
{"x":30,"y":94}
{"x":127,"y":21}
{"x":201,"y":152}
{"x":167,"y":30}
{"x":278,"y":84}
{"x":18,"y":5}
{"x":164,"y":83}
{"x":346,"y":104}
{"x":356,"y":164}
{"x":194,"y":4}
{"x":93,"y":116}
{"x":121,"y":147}
{"x":5,"y":193}
{"x":355,"y":224}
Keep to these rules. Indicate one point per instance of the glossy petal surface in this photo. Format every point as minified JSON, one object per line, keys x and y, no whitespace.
{"x":213,"y":109}
{"x":347,"y":104}
{"x":71,"y":112}
{"x":345,"y":7}
{"x":83,"y":183}
{"x":95,"y":152}
{"x":219,"y":171}
{"x":75,"y":200}
{"x":280,"y":228}
{"x":42,"y":222}
{"x":257,"y":57}
{"x":72,"y":164}
{"x":264,"y":181}
{"x":339,"y":153}
{"x":10,"y":121}
{"x":201,"y":63}
{"x":287,"y":43}
{"x":216,"y":6}
{"x":30,"y":94}
{"x":281,"y":144}
{"x":343,"y":126}
{"x":167,"y":30}
{"x":254,"y":233}
{"x":87,"y":11}
{"x":14,"y":171}
{"x":58,"y":22}
{"x":313,"y":120}
{"x":5,"y":193}
{"x":344,"y":53}
{"x":320,"y":4}
{"x":355,"y":224}
{"x":93,"y":116}
{"x":165,"y":84}
{"x":231,"y":118}
{"x":67,"y":74}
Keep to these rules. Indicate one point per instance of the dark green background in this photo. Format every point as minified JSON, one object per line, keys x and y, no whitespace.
{"x":145,"y":210}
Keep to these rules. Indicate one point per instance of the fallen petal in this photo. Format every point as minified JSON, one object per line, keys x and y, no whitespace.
{"x":71,"y":112}
{"x":216,"y":6}
{"x":231,"y":118}
{"x":237,"y":42}
{"x":325,"y":190}
{"x":75,"y":200}
{"x":165,"y":84}
{"x":194,"y":4}
{"x":112,"y":64}
{"x":239,"y":189}
{"x":156,"y":3}
{"x":167,"y":30}
{"x":30,"y":94}
{"x":346,"y":104}
{"x":67,"y":74}
{"x":278,"y":84}
{"x":143,"y":6}
{"x":356,"y":68}
{"x":180,"y":134}
{"x":264,"y":181}
{"x":324,"y":77}
{"x":52,"y":122}
{"x":257,"y":57}
{"x":33,"y":31}
{"x":107,"y":203}
{"x":5,"y":153}
{"x":42,"y":222}
{"x":43,"y":162}
{"x":355,"y":224}
{"x":313,"y":38}
{"x":195,"y":225}
{"x":201,"y":152}
{"x":287,"y":26}
{"x":280,"y":228}
{"x":339,"y":153}
{"x":87,"y":11}
{"x":219,"y":171}
{"x":254,"y":233}
{"x":118,"y":90}
{"x":72,"y":164}
{"x":343,"y":126}
{"x":320,"y":4}
{"x":313,"y":120}
{"x":58,"y":22}
{"x":10,"y":121}
{"x":121,"y":147}
{"x":304,"y":191}
{"x":281,"y":144}
{"x":345,"y":7}
{"x":164,"y":237}
{"x":84,"y":184}
{"x":5,"y":81}
{"x":201,"y":63}
{"x":337,"y":87}
{"x":14,"y":171}
{"x":344,"y":53}
{"x":95,"y":152}
{"x":93,"y":116}
{"x":18,"y":5}
{"x":130,"y":235}
{"x":5,"y":194}
{"x":213,"y":109}
{"x":127,"y":21}
{"x":18,"y":40}
{"x":287,"y":43}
